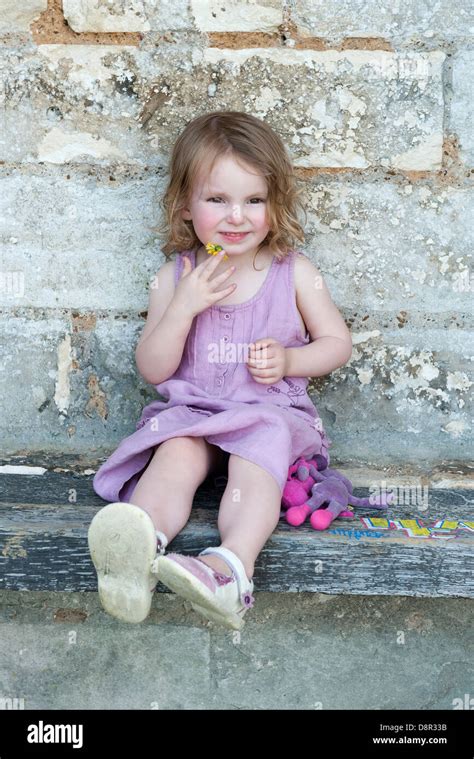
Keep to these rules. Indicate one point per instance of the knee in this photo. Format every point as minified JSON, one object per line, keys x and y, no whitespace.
{"x":189,"y":453}
{"x":244,"y":473}
{"x":182,"y":443}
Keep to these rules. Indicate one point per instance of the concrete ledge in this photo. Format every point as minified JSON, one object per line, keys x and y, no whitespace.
{"x":304,"y":651}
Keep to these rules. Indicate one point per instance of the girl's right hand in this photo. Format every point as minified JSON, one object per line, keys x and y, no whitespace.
{"x":195,"y":292}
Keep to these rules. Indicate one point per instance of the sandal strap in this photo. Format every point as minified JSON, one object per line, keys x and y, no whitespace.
{"x":244,"y":585}
{"x":163,"y":541}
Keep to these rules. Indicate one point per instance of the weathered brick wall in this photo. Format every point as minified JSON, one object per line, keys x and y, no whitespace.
{"x":375,"y":104}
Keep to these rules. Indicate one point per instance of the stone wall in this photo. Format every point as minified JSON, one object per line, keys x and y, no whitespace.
{"x":375,"y":105}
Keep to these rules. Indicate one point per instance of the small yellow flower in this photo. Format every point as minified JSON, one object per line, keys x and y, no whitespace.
{"x":213,"y":249}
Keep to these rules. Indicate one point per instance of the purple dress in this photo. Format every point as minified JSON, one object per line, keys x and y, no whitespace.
{"x":213,"y":395}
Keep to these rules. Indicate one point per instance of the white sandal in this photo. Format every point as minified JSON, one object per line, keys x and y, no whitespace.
{"x":123,"y":544}
{"x":221,"y":598}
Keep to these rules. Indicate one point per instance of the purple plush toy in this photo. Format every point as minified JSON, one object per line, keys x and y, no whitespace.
{"x":327,"y":486}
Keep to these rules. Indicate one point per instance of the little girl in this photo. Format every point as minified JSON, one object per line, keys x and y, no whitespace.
{"x":231,"y":346}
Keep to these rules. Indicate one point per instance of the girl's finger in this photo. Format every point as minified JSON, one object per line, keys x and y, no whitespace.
{"x":225,"y":274}
{"x":263,"y":357}
{"x":220,"y":294}
{"x":265,"y":380}
{"x":262,"y":353}
{"x":264,"y":343}
{"x":264,"y":363}
{"x":264,"y":372}
{"x":209,"y":266}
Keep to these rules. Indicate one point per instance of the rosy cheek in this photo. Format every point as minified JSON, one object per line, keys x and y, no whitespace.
{"x":207,"y":214}
{"x":264,"y":220}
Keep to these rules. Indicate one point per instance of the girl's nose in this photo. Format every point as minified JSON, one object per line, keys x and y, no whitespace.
{"x":236,"y":212}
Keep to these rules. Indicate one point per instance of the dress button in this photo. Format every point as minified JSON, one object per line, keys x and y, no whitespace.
{"x":225,"y":338}
{"x":226,"y":316}
{"x":219,"y":381}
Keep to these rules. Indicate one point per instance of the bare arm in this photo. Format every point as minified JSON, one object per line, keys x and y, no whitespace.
{"x":171,"y":313}
{"x":331,"y":345}
{"x":318,"y":358}
{"x":160,"y":348}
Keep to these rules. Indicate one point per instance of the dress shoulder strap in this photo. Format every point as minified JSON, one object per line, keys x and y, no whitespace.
{"x":179,"y":263}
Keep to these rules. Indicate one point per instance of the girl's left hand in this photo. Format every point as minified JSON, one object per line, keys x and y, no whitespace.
{"x":268,"y":361}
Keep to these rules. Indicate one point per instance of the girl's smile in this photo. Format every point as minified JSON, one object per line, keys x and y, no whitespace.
{"x":234,"y":237}
{"x":228,"y":206}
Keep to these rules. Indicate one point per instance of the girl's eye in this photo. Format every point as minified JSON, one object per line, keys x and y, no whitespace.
{"x":260,"y":200}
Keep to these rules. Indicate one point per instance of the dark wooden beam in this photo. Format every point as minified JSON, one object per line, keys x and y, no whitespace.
{"x":43,"y":543}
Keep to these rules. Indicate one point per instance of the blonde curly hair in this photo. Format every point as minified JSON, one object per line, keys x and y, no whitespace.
{"x":242,"y":136}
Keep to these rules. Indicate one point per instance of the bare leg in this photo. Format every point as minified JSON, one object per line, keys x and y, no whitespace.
{"x":249,"y":512}
{"x":168,"y":496}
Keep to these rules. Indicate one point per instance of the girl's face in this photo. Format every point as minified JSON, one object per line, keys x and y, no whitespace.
{"x":230,"y":199}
